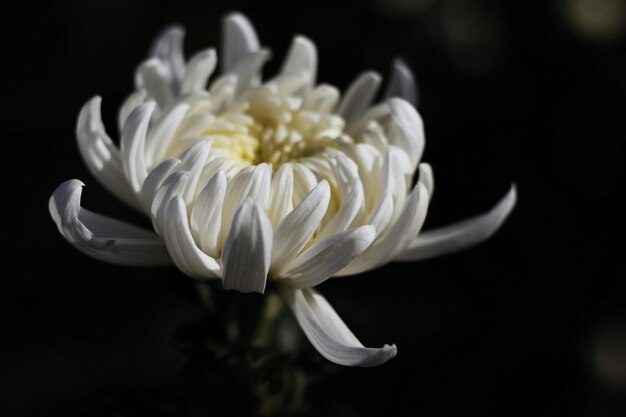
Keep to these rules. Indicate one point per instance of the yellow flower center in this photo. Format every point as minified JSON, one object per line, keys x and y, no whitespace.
{"x":274,"y":128}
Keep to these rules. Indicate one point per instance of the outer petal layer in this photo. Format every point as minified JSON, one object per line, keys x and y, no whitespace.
{"x":329,"y":334}
{"x":102,"y":237}
{"x":461,"y":235}
{"x":247,"y":250}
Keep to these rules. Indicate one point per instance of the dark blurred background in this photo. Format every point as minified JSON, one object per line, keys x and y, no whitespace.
{"x":531,"y":323}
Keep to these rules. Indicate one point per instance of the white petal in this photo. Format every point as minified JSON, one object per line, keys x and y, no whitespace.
{"x":329,"y":334}
{"x":397,"y":238}
{"x":206,"y":216}
{"x":406,"y":129}
{"x":162,"y":134}
{"x":358,"y":96}
{"x":156,"y":82}
{"x":155,"y":179}
{"x":102,"y":157}
{"x":131,"y":103}
{"x":102,"y":237}
{"x":133,"y":143}
{"x":173,"y":186}
{"x":302,"y":57}
{"x":193,"y":160}
{"x":298,"y":226}
{"x":239,"y":41}
{"x":426,"y":178}
{"x":351,"y":206}
{"x":248,"y":249}
{"x":248,"y":71}
{"x":303,"y":182}
{"x":281,"y":198}
{"x":461,"y":235}
{"x":322,"y":99}
{"x":199,"y":69}
{"x":185,"y":253}
{"x":258,"y":186}
{"x":168,"y":48}
{"x":324,"y":259}
{"x":401,"y":83}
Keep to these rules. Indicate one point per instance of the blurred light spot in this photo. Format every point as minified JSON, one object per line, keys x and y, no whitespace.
{"x":599,"y":19}
{"x":474,"y":35}
{"x":403,"y":7}
{"x":608,"y":354}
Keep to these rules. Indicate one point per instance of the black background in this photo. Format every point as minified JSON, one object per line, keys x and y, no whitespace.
{"x":509,"y":91}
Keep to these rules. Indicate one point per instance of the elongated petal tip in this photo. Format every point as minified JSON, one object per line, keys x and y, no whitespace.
{"x":461,"y":235}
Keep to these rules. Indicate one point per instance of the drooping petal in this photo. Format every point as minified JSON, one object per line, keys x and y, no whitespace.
{"x":399,"y":235}
{"x":324,"y":259}
{"x":174,"y":226}
{"x":406,"y":130}
{"x":329,"y":334}
{"x":461,"y":235}
{"x":133,"y":145}
{"x":199,"y":69}
{"x":168,"y":48}
{"x":298,"y":226}
{"x":401,"y":83}
{"x":239,"y":41}
{"x":102,"y":237}
{"x":248,"y":249}
{"x":302,"y":57}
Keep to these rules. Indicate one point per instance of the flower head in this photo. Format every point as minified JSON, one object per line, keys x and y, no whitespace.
{"x":248,"y":180}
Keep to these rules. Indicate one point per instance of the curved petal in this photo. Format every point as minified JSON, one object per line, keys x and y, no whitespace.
{"x":101,"y":237}
{"x":329,"y":334}
{"x":302,"y":56}
{"x":131,"y":103}
{"x":248,"y":248}
{"x":102,"y":157}
{"x":401,"y":83}
{"x":281,"y":194}
{"x":155,"y":179}
{"x":161,"y":136}
{"x":426,"y":177}
{"x":174,"y":226}
{"x":461,"y":235}
{"x":168,"y":48}
{"x":299,"y":225}
{"x":324,"y":259}
{"x":199,"y":69}
{"x":133,"y":145}
{"x":206,"y":216}
{"x":358,"y":97}
{"x":408,"y":223}
{"x":156,"y":82}
{"x":239,"y":41}
{"x":406,"y":129}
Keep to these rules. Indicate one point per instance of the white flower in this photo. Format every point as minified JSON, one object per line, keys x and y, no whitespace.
{"x":245,"y":181}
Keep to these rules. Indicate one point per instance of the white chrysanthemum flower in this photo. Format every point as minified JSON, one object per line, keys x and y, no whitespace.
{"x":247,"y":180}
